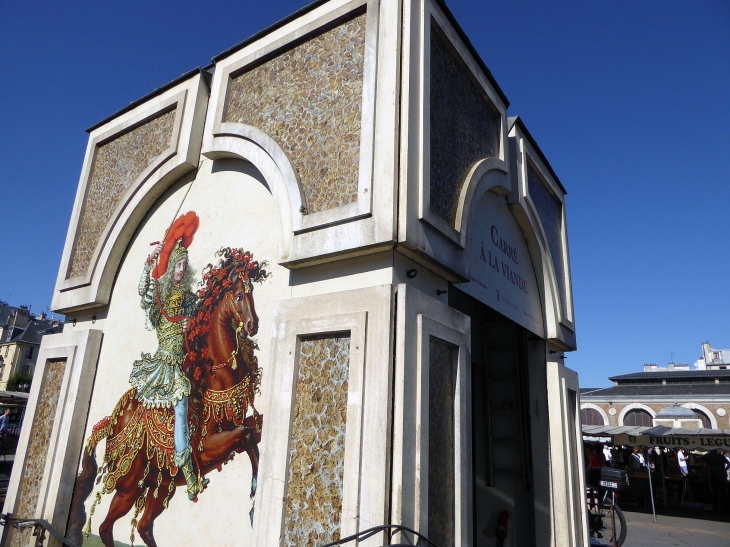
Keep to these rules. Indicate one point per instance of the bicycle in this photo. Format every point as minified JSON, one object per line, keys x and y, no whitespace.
{"x":605,"y":518}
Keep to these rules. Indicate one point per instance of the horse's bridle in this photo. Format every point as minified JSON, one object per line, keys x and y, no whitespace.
{"x":234,"y":353}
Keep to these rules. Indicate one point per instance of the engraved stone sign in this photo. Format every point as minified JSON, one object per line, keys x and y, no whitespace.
{"x":502,"y":274}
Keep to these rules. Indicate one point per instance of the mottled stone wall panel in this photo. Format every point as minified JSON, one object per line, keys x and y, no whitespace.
{"x":441,"y":471}
{"x":550,"y":210}
{"x":464,"y":126}
{"x":117,"y":164}
{"x":309,"y":100}
{"x":314,"y":491}
{"x":35,"y":460}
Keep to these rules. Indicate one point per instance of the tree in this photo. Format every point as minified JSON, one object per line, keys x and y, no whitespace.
{"x":17,"y":380}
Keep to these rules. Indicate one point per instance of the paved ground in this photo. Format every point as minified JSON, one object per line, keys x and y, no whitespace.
{"x":670,"y":531}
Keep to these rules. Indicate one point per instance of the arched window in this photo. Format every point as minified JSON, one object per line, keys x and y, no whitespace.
{"x":590,"y":416}
{"x":704,"y":417}
{"x":638,"y":417}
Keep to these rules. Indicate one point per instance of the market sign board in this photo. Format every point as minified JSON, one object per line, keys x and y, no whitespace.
{"x":501,"y":270}
{"x":704,"y":442}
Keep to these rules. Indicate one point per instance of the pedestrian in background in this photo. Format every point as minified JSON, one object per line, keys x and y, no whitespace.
{"x":607,"y":454}
{"x":682,"y":460}
{"x":5,"y":422}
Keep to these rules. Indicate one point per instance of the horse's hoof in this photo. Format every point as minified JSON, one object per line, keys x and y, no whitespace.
{"x":194,"y":499}
{"x":220,"y":468}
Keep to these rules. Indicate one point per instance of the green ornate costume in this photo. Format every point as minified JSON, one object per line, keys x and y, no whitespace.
{"x":159,"y":378}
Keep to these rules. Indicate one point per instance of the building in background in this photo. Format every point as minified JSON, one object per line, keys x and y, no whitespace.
{"x":637,"y":399}
{"x":20,"y":337}
{"x":713,"y":358}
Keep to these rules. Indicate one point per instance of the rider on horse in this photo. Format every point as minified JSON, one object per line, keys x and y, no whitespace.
{"x":159,"y":379}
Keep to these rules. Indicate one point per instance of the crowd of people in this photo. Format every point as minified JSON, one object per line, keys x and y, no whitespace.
{"x":712,"y":468}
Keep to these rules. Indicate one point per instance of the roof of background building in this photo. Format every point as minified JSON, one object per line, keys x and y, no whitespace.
{"x":33,"y":332}
{"x":678,"y":391}
{"x":658,"y":376}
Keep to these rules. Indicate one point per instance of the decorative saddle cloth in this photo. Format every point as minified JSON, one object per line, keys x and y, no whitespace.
{"x":152,"y":428}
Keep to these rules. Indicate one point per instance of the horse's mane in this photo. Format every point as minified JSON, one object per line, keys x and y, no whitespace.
{"x":233,"y":265}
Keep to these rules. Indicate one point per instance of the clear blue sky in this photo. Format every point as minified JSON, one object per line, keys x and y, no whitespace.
{"x":630,"y":101}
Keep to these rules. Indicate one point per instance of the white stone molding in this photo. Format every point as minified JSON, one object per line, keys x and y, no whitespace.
{"x":598,"y":409}
{"x":285,"y":190}
{"x":527,"y":155}
{"x":633,"y":406}
{"x":559,"y":328}
{"x":366,"y":315}
{"x":419,"y":317}
{"x":705,"y":411}
{"x":480,"y":179}
{"x":80,"y":349}
{"x":566,"y":457}
{"x":189,"y":99}
{"x":429,"y":238}
{"x":369,"y":220}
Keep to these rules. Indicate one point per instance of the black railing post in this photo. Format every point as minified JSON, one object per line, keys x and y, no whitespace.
{"x":40,"y":527}
{"x":6,"y":530}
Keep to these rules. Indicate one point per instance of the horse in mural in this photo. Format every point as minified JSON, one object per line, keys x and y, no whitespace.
{"x":138,"y":462}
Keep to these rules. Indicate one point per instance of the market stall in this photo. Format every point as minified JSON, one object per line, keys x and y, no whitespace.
{"x":662,"y":436}
{"x":667,"y":438}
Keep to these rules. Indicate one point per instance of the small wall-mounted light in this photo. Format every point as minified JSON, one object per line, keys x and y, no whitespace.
{"x":73,"y":322}
{"x":93,"y":319}
{"x":410,"y":274}
{"x":441,"y":291}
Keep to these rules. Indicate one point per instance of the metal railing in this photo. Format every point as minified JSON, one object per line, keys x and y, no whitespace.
{"x":391,"y":529}
{"x":40,"y":527}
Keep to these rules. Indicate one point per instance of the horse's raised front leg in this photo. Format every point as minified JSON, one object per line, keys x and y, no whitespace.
{"x":121,"y":503}
{"x":217,"y":447}
{"x":153,"y":508}
{"x":252,"y":449}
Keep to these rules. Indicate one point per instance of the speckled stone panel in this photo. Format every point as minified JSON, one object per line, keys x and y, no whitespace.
{"x":309,"y":100}
{"x":441,"y":472}
{"x":35,"y":459}
{"x":117,"y":164}
{"x":464,"y":126}
{"x":314,"y":491}
{"x":550,"y":210}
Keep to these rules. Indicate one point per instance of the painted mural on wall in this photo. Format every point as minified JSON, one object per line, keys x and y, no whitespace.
{"x":190,"y":407}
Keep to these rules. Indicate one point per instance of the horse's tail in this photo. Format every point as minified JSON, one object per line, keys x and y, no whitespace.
{"x":85,"y":481}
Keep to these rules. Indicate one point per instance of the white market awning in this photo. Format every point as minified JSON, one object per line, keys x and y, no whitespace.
{"x":668,"y":437}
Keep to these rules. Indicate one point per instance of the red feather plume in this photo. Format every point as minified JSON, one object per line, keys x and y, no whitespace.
{"x":184,"y":227}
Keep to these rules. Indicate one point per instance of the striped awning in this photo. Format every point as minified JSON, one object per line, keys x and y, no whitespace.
{"x":670,"y":437}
